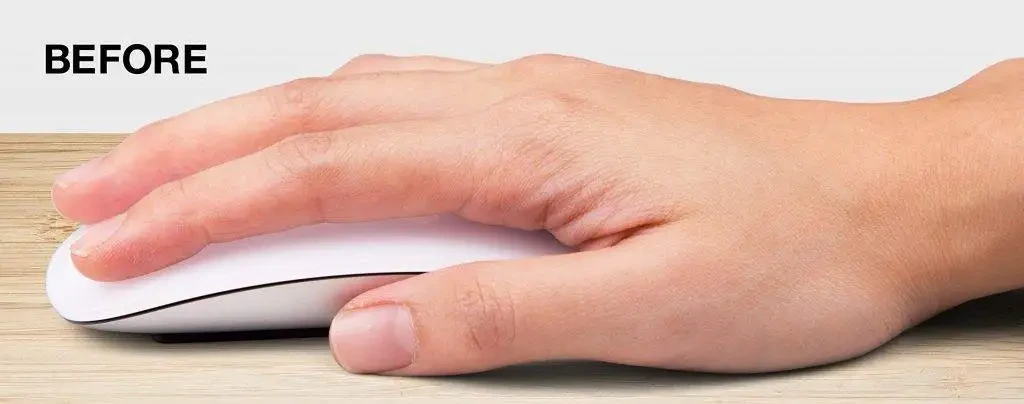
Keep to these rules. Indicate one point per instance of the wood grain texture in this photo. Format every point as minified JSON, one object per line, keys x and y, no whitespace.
{"x":974,"y":352}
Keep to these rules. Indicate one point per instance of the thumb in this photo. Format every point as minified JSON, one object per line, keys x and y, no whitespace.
{"x":485,"y":315}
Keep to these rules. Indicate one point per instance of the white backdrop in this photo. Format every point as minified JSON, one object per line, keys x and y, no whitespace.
{"x":853,"y":51}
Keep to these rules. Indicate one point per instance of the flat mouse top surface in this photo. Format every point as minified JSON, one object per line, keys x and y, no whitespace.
{"x":321,"y":251}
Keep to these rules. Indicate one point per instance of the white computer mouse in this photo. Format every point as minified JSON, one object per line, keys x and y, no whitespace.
{"x":296,"y":279}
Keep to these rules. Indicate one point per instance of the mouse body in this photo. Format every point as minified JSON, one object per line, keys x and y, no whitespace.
{"x":295,"y":279}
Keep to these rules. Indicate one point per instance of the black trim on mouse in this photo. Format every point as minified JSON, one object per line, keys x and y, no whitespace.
{"x":231,"y":336}
{"x":226,"y":292}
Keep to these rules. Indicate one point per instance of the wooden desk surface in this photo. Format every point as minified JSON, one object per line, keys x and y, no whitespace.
{"x":973,"y":352}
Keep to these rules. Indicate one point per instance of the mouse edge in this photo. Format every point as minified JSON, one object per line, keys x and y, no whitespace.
{"x":155,"y":308}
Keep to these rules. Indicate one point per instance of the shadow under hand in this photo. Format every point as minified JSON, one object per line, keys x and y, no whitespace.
{"x":1000,"y":314}
{"x":235,"y":341}
{"x":593,"y":376}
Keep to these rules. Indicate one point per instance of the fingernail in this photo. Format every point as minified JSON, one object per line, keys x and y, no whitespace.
{"x":53,"y":202}
{"x":79,"y":173}
{"x":95,"y":236}
{"x":373,"y":340}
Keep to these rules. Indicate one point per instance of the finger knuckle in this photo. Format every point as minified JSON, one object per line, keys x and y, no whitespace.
{"x":489,"y":314}
{"x":153,"y":129}
{"x":168,"y":200}
{"x":549,"y":60}
{"x":367,"y":60}
{"x":176,"y":190}
{"x":539,"y":103}
{"x":544,"y":134}
{"x":545,"y":64}
{"x":305,"y":163}
{"x":546,"y":122}
{"x":299,"y":155}
{"x":297,"y":102}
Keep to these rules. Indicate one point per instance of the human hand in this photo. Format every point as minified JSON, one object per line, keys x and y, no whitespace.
{"x":717,"y":230}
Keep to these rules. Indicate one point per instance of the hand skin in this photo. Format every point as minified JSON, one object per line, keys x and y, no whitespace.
{"x":717,"y":230}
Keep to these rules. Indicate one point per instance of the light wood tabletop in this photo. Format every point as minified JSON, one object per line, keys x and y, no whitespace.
{"x":973,"y":352}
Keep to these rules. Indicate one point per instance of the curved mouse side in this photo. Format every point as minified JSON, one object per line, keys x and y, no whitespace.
{"x":274,"y":266}
{"x":303,"y":303}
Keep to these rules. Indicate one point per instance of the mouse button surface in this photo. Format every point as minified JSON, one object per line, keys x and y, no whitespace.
{"x":412,"y":245}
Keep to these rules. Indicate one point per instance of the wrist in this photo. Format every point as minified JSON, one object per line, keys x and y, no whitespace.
{"x":972,"y":138}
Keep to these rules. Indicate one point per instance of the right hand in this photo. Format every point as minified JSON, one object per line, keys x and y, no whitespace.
{"x":718,"y":230}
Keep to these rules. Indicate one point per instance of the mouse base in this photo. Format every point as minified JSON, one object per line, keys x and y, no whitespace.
{"x":228,"y":336}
